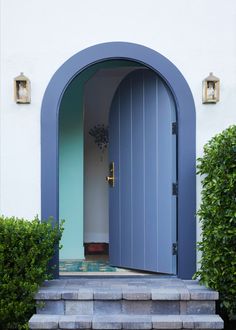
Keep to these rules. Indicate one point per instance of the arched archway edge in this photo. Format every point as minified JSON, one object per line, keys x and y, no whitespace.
{"x":186,"y":138}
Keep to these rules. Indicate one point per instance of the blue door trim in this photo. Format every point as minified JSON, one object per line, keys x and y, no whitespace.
{"x":186,"y":138}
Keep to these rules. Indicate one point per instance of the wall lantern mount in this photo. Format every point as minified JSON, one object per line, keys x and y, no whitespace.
{"x":211,"y":89}
{"x":22,"y":90}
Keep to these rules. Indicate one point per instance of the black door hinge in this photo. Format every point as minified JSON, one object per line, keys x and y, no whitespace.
{"x":174,"y":128}
{"x":174,"y":249}
{"x":174,"y":189}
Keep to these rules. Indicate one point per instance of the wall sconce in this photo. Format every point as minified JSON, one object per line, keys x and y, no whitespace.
{"x":211,"y":89}
{"x":22,"y":89}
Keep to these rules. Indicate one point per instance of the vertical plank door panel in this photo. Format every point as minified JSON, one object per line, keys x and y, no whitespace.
{"x":142,"y":208}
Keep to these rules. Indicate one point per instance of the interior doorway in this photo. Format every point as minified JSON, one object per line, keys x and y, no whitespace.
{"x":98,"y":94}
{"x":92,"y":215}
{"x":83,"y":166}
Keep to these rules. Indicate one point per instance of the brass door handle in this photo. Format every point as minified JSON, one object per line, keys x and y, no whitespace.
{"x":111,"y":177}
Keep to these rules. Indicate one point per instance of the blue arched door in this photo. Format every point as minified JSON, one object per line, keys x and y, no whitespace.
{"x":142,"y":147}
{"x":185,"y":109}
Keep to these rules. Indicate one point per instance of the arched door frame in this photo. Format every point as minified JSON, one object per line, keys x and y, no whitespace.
{"x":186,"y":227}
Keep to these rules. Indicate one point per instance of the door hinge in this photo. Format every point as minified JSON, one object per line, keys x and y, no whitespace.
{"x":174,"y":189}
{"x":174,"y":249}
{"x":174,"y":128}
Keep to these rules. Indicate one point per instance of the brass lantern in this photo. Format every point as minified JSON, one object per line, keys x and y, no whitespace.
{"x":22,"y":89}
{"x":211,"y":89}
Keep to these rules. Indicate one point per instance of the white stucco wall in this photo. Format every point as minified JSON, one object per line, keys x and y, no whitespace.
{"x":38,"y":36}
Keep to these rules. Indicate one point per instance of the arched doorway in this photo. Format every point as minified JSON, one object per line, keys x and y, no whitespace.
{"x":186,"y":136}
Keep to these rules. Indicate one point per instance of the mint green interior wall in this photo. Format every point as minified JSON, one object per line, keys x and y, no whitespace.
{"x":71,"y":167}
{"x":71,"y":160}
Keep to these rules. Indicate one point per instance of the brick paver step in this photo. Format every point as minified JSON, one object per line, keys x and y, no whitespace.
{"x":127,"y":289}
{"x":125,"y":296}
{"x":157,"y":322}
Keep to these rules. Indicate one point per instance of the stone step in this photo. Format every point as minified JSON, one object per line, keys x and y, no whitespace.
{"x":125,"y":321}
{"x":152,"y":307}
{"x":123,"y":296}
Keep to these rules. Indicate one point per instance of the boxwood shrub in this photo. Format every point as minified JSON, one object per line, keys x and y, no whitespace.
{"x":217,"y":215}
{"x":25,"y":250}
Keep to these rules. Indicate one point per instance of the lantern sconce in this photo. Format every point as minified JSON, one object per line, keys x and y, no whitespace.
{"x":211,"y":89}
{"x":22,"y":89}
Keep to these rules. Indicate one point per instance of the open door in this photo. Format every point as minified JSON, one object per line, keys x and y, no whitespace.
{"x":142,"y":153}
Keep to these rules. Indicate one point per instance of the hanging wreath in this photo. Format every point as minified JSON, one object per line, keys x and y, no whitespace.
{"x":100,"y":135}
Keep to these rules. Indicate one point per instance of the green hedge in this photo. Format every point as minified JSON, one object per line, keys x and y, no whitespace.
{"x":218,"y":217}
{"x":25,"y":250}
